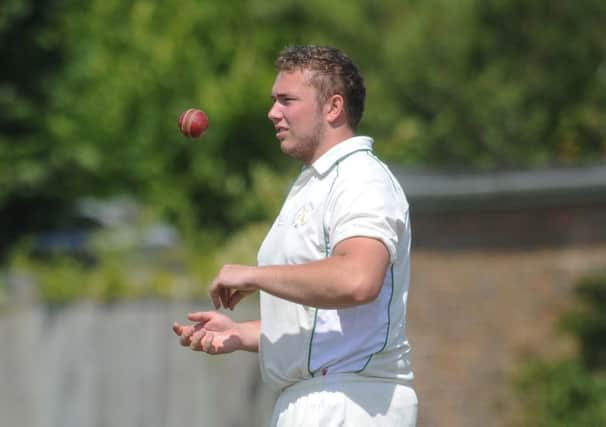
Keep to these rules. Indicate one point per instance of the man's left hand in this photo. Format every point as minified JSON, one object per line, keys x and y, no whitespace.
{"x":231,"y":285}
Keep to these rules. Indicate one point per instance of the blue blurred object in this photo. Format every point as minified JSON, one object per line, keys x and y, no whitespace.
{"x":63,"y":241}
{"x":114,"y":224}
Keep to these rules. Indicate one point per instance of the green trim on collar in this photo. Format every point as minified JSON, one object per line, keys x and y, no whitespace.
{"x":343,"y":149}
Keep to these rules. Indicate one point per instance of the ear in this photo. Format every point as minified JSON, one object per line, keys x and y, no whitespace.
{"x":335,"y":108}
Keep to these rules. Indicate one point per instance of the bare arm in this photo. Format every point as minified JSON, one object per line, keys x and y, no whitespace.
{"x":353,"y":275}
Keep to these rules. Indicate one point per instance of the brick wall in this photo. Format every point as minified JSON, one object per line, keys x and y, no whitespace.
{"x":474,"y":314}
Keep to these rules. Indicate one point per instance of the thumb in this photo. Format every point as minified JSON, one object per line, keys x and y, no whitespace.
{"x":200,"y":316}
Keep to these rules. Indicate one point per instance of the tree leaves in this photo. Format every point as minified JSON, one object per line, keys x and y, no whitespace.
{"x":94,"y":90}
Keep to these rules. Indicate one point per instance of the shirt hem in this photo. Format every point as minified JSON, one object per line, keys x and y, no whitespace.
{"x":325,"y":381}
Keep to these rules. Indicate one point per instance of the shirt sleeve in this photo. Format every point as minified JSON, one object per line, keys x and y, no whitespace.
{"x":371,"y":208}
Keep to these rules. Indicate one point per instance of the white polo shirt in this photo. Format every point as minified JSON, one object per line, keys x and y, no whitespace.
{"x":347,"y":192}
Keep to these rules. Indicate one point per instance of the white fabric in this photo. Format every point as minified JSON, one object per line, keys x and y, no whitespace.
{"x":347,"y":192}
{"x":346,"y":401}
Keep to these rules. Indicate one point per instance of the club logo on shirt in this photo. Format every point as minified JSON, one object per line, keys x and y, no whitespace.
{"x":303,"y":215}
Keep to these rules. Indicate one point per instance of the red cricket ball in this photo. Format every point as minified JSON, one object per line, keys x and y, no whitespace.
{"x":193,"y":123}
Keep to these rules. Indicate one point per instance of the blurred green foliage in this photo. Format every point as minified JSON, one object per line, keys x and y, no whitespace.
{"x":181,"y":272}
{"x":65,"y":280}
{"x":497,"y":83}
{"x":571,"y":392}
{"x":114,"y":263}
{"x":91,"y":91}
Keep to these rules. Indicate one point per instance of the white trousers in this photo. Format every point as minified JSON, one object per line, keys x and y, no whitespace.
{"x":346,"y":400}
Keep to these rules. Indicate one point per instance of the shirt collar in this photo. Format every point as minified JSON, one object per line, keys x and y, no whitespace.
{"x":340,"y":151}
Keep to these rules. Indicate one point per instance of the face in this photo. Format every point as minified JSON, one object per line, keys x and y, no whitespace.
{"x":296,"y":115}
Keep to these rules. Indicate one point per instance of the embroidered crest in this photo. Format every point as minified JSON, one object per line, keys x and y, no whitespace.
{"x":302,"y":215}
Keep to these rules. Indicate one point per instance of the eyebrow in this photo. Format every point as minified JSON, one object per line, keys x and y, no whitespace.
{"x":282,"y":95}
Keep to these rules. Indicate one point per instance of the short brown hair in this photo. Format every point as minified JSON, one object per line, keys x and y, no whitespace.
{"x":333,"y":73}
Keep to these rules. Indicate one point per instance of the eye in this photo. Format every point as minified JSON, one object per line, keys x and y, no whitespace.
{"x":283,"y":99}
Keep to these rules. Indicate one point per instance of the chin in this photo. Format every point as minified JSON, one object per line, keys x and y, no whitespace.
{"x":287,"y":148}
{"x":292,"y":151}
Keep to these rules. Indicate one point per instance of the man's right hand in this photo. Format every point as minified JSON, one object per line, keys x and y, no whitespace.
{"x":213,"y":333}
{"x":216,"y":333}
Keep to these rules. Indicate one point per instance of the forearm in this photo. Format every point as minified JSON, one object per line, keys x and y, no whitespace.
{"x":249,"y":335}
{"x":352,"y":276}
{"x":335,"y":282}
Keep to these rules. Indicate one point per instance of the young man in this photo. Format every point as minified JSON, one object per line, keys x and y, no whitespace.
{"x":333,"y":271}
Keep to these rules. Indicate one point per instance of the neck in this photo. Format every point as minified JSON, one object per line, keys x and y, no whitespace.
{"x":331,"y":137}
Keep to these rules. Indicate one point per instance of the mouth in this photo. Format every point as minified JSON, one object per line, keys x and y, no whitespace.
{"x":281,"y":132}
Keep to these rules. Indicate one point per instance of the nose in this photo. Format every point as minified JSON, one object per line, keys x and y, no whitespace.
{"x":274,"y":113}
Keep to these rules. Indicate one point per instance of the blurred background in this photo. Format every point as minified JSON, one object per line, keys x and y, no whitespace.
{"x":491,"y":112}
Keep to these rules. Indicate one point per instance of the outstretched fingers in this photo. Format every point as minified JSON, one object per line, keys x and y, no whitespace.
{"x":177,"y":329}
{"x":186,"y":332}
{"x":211,"y":332}
{"x":203,"y":341}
